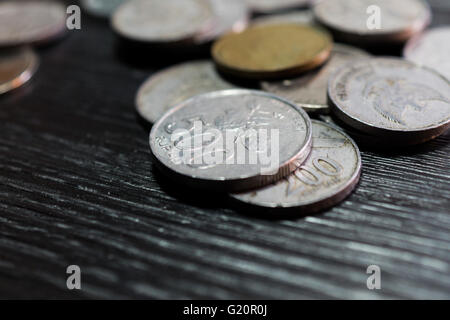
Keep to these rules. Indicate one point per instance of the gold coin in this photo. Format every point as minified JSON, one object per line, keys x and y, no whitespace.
{"x":17,"y":66}
{"x":272,"y":51}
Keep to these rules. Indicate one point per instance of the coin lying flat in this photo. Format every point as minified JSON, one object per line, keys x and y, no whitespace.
{"x":168,"y":21}
{"x":217,"y":141}
{"x":269,"y":6}
{"x":431,"y":49}
{"x":17,"y":66}
{"x":172,"y":86}
{"x":328,"y":176}
{"x":309,"y":91}
{"x":298,"y":16}
{"x":391,"y":97}
{"x":399,"y":19}
{"x":272,"y":51}
{"x":28,"y":22}
{"x":101,"y":8}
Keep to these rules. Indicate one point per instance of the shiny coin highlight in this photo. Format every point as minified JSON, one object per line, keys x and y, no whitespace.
{"x":17,"y":66}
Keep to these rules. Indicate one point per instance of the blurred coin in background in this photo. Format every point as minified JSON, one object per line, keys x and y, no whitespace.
{"x":352,"y":21}
{"x":431,"y":49}
{"x":327,"y":177}
{"x":309,"y":91}
{"x":172,"y":86}
{"x":392,"y":98}
{"x":272,"y":51}
{"x":164,"y":22}
{"x":17,"y":66}
{"x":270,"y":6}
{"x":31,"y":22}
{"x":297,"y":16}
{"x":101,"y":8}
{"x":227,"y":120}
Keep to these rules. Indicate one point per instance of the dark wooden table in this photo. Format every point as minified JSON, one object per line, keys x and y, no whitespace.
{"x":77,"y":187}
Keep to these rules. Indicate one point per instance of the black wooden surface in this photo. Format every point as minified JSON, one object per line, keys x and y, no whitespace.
{"x":77,"y":186}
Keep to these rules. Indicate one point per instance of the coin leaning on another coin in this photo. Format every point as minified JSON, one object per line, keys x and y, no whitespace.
{"x":17,"y":66}
{"x":272,"y":51}
{"x":391,"y":97}
{"x":326,"y":178}
{"x":172,"y":86}
{"x":309,"y":91}
{"x":225,"y":125}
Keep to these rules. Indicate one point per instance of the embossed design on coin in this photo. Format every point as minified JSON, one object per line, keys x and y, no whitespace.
{"x":431,"y":49}
{"x":310,"y":90}
{"x":231,"y":123}
{"x":328,"y":176}
{"x":298,"y":17}
{"x":268,"y":6}
{"x":27,"y":22}
{"x":400,"y":19}
{"x":176,"y":84}
{"x":272,"y":51}
{"x":101,"y":8}
{"x":390,"y":96}
{"x":17,"y":66}
{"x":168,"y":21}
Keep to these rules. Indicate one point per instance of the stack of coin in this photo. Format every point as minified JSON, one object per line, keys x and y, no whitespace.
{"x":174,"y":23}
{"x":24,"y":23}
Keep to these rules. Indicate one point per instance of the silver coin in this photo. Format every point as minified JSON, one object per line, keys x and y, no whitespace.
{"x":310,"y":90}
{"x":168,"y":21}
{"x":431,"y":49}
{"x":269,"y":6}
{"x":391,"y":97}
{"x":31,"y":22}
{"x":172,"y":86}
{"x":101,"y":8}
{"x":352,"y":19}
{"x":229,"y":125}
{"x":327,"y":177}
{"x":230,"y":16}
{"x":17,"y":66}
{"x":297,"y":16}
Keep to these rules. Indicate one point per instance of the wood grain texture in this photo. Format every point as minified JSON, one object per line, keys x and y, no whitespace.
{"x":77,"y":186}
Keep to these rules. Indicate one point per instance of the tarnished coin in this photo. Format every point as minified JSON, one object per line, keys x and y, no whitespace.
{"x":373,"y":21}
{"x":17,"y":66}
{"x":163,"y":22}
{"x":432,"y":49}
{"x":231,"y":140}
{"x":101,"y":8}
{"x":309,"y":91}
{"x":272,"y":51}
{"x":391,"y":97}
{"x":172,"y":86}
{"x":297,"y":16}
{"x":329,"y":175}
{"x":270,"y":6}
{"x":31,"y":22}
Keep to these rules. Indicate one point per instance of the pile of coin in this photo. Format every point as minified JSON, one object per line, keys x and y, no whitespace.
{"x":24,"y":24}
{"x":200,"y":111}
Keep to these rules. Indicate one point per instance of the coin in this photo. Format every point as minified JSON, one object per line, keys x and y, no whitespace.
{"x":391,"y":97}
{"x":431,"y":49}
{"x":272,"y":51}
{"x":101,"y":8}
{"x":269,"y":6}
{"x":327,"y":177}
{"x":229,"y":125}
{"x":172,"y":86}
{"x":298,"y":16}
{"x":27,"y":22}
{"x":309,"y":91}
{"x":357,"y":20}
{"x":163,"y":22}
{"x":17,"y":66}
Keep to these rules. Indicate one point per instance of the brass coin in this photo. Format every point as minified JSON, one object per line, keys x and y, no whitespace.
{"x":17,"y":66}
{"x":272,"y":51}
